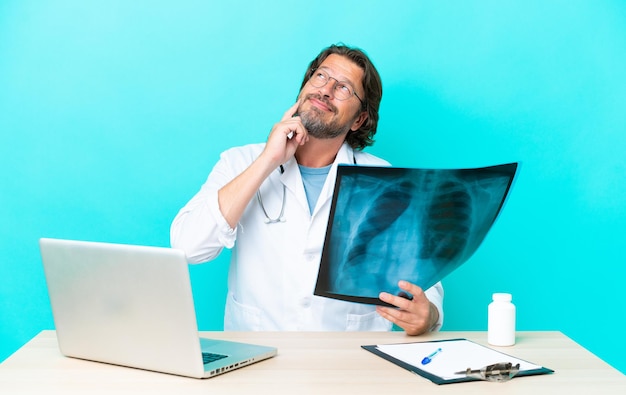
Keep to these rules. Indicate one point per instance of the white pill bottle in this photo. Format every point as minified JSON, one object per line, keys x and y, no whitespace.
{"x":501,"y":320}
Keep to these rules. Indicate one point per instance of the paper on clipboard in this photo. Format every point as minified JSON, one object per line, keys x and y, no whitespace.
{"x":454,"y":356}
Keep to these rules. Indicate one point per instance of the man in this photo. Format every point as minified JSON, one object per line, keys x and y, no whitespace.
{"x":270,"y":203}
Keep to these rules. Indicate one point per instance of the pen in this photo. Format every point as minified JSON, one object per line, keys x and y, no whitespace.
{"x":429,"y":358}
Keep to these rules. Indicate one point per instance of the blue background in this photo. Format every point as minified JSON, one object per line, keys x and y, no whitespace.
{"x":112,"y":113}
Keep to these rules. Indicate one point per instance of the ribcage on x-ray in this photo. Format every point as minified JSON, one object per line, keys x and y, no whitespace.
{"x":413,"y":224}
{"x":384,"y":209}
{"x":447,"y":221}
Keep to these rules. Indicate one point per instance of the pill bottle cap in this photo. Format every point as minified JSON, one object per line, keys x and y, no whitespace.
{"x":502,"y":297}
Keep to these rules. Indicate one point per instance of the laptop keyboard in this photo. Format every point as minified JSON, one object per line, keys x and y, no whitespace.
{"x":208,"y":357}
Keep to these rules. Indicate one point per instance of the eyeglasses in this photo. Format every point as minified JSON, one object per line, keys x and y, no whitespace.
{"x":342,"y":89}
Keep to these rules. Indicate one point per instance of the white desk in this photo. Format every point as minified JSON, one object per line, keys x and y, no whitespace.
{"x":312,"y":363}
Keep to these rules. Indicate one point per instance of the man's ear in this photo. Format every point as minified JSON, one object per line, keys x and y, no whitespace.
{"x":359,"y":121}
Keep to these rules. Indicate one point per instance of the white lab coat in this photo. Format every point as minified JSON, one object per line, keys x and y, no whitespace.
{"x":274,"y":267}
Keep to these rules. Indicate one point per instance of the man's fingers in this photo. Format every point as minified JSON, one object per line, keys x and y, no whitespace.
{"x":397,"y":301}
{"x":291,"y":111}
{"x":410,"y":288}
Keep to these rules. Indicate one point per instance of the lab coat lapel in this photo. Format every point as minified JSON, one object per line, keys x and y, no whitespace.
{"x":344,"y":156}
{"x":292,"y":179}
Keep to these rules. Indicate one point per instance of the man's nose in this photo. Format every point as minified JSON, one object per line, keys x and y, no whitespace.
{"x":329,"y":89}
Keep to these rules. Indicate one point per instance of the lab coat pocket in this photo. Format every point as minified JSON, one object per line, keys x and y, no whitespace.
{"x":241,"y":317}
{"x":371,"y":321}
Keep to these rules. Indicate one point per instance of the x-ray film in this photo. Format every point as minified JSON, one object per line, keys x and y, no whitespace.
{"x":388,"y":224}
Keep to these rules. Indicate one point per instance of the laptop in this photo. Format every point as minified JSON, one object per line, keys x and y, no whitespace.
{"x":133,"y":306}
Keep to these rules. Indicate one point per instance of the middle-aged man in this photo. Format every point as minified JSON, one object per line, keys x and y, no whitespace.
{"x":270,"y":203}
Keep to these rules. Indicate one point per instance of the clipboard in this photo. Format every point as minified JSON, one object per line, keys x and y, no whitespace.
{"x":451,"y":357}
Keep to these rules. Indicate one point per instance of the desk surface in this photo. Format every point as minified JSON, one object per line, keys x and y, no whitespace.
{"x":312,"y":363}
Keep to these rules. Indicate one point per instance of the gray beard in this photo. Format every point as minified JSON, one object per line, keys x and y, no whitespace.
{"x":319,"y":129}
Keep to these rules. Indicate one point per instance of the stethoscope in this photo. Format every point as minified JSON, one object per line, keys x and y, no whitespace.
{"x":281,"y":217}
